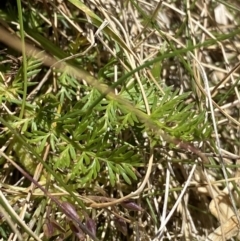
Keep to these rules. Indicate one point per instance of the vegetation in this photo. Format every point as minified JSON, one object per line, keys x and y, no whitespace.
{"x":119,"y":119}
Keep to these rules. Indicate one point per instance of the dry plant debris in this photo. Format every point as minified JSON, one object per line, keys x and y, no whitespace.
{"x":156,"y":157}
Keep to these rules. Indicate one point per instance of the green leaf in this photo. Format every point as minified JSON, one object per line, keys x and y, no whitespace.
{"x":129,"y":171}
{"x":112,"y":177}
{"x":64,"y":159}
{"x":72,"y":152}
{"x":53,"y":139}
{"x":86,"y":159}
{"x":126,"y":178}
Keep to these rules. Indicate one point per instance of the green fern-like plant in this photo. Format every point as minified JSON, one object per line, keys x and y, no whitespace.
{"x":89,"y":141}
